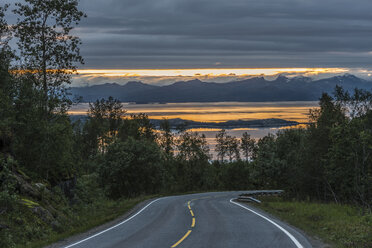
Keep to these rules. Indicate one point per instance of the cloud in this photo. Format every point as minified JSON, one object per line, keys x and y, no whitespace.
{"x":236,"y":33}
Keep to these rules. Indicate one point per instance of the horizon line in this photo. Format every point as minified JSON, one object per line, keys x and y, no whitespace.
{"x":210,"y":71}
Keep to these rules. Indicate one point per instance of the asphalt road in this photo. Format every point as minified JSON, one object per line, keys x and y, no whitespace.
{"x":197,"y":220}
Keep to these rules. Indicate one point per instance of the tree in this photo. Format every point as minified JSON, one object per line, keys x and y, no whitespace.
{"x":42,"y":132}
{"x":7,"y":89}
{"x":232,"y":145}
{"x":105,"y":121}
{"x":192,"y":146}
{"x":266,"y":162}
{"x":48,"y":50}
{"x":221,"y":146}
{"x":192,"y":161}
{"x":131,"y":168}
{"x":247,"y":145}
{"x":291,"y":149}
{"x":349,"y":158}
{"x":4,"y":28}
{"x":137,"y":126}
{"x":322,"y":121}
{"x":166,"y":139}
{"x":355,"y":105}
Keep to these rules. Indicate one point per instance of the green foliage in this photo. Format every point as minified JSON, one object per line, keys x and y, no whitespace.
{"x":247,"y":145}
{"x":137,"y":126}
{"x":44,"y":148}
{"x":48,"y":50}
{"x":328,"y":161}
{"x":8,"y":197}
{"x":131,"y":168}
{"x":192,"y":147}
{"x":88,"y":189}
{"x":221,"y":146}
{"x":105,"y":121}
{"x":33,"y":124}
{"x":227,"y":146}
{"x":236,"y":176}
{"x":7,"y":89}
{"x":166,"y":140}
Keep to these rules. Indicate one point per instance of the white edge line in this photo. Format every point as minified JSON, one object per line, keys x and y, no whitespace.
{"x":108,"y":229}
{"x":298,"y":244}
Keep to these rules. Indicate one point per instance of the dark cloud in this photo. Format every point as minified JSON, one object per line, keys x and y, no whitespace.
{"x":234,"y":33}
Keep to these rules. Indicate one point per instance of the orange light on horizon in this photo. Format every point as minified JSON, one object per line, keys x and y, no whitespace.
{"x":214,"y":72}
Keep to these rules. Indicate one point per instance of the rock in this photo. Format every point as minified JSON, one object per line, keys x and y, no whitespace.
{"x":40,"y":186}
{"x":26,"y":188}
{"x":44,"y":214}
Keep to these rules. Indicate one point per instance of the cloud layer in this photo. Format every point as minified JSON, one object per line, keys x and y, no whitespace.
{"x":226,"y":34}
{"x":220,"y":33}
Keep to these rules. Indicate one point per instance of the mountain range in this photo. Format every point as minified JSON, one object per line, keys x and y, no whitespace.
{"x":256,"y":89}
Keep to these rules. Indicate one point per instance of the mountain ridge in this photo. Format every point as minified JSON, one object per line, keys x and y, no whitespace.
{"x":256,"y":89}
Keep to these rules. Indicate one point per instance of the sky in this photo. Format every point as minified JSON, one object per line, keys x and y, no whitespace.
{"x":223,"y":34}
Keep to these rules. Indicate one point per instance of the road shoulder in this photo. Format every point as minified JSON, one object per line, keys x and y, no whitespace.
{"x":314,"y":241}
{"x":84,"y":235}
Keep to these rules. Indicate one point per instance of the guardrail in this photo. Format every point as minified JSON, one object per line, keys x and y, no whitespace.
{"x":249,"y":195}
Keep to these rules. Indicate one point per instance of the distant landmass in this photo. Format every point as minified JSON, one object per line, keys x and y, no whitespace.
{"x":272,"y":122}
{"x":177,"y":123}
{"x":256,"y":89}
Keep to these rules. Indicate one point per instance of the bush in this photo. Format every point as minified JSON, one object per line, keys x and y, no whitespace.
{"x":88,"y":189}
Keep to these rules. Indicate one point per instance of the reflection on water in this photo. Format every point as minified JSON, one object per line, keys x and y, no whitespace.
{"x":256,"y":133}
{"x":220,"y":112}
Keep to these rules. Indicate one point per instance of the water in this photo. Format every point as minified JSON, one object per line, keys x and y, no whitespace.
{"x":220,"y":112}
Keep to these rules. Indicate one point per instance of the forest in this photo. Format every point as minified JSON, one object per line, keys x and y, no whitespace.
{"x":48,"y":162}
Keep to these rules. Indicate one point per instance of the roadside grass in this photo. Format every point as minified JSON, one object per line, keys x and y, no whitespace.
{"x":341,"y":226}
{"x":88,"y":217}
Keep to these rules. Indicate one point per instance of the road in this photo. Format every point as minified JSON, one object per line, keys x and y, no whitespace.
{"x":197,"y":220}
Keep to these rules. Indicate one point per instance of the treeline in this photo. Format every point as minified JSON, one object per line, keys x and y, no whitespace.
{"x":328,"y":161}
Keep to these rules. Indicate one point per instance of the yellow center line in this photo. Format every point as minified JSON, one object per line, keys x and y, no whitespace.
{"x":179,"y":241}
{"x":192,"y":223}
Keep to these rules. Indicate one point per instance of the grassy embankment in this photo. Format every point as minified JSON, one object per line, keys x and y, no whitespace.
{"x":340,"y":226}
{"x":89,"y":217}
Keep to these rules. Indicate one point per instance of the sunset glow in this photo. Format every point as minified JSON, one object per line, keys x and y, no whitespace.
{"x":206,"y":71}
{"x":217,"y":112}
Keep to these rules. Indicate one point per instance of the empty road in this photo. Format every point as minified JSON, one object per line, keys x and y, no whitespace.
{"x":197,"y":220}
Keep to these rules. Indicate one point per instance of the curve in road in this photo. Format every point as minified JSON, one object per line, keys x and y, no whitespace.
{"x":197,"y":220}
